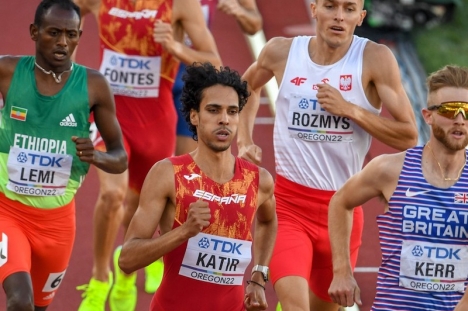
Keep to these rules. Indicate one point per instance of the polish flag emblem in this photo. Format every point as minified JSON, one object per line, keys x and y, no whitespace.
{"x":346,"y":82}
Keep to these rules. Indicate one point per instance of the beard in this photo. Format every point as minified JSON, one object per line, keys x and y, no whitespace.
{"x":444,"y":138}
{"x":218,"y":148}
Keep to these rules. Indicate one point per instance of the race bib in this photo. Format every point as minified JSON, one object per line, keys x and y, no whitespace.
{"x":308,"y":121}
{"x":215,"y":259}
{"x":38,"y":173}
{"x":130,"y":75}
{"x":433,"y":267}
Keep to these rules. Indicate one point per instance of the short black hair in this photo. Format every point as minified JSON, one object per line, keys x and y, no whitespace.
{"x":45,"y":5}
{"x":201,"y":76}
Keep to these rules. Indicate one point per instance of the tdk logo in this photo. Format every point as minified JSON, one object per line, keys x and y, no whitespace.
{"x":303,"y":104}
{"x":22,"y":157}
{"x":442,"y":253}
{"x":204,"y":243}
{"x":43,"y":160}
{"x":226,"y":247}
{"x":130,"y":63}
{"x":417,"y":251}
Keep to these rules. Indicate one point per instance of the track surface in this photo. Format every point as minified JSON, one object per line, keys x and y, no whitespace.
{"x":14,"y":37}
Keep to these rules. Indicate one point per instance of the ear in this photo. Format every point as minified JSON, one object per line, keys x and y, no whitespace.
{"x":363,"y":15}
{"x":33,"y":32}
{"x":427,"y":115}
{"x":194,"y":117}
{"x":313,"y":9}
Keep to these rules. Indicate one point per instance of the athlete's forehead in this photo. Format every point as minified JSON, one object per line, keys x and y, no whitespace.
{"x":58,"y":17}
{"x":345,"y":2}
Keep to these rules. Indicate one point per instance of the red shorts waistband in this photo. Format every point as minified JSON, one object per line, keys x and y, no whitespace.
{"x":45,"y":214}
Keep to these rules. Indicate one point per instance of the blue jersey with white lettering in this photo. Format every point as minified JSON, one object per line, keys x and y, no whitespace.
{"x":424,"y":242}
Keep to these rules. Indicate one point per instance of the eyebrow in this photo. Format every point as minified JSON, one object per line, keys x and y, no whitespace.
{"x":346,"y":3}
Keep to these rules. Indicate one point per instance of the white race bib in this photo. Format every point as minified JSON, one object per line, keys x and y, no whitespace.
{"x":38,"y":173}
{"x":131,"y":75}
{"x":307,"y":121}
{"x":433,"y":267}
{"x":215,"y":259}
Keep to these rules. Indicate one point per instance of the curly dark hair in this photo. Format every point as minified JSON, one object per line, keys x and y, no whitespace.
{"x":45,"y":5}
{"x":201,"y":76}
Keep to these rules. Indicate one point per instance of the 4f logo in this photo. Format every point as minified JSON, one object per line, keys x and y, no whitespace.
{"x":298,"y":81}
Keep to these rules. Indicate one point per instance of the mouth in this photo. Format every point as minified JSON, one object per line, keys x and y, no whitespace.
{"x":337,"y":28}
{"x":458,"y":133}
{"x":223,"y":134}
{"x":60,"y":54}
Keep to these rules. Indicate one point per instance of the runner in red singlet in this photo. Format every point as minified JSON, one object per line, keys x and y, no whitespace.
{"x":205,"y":204}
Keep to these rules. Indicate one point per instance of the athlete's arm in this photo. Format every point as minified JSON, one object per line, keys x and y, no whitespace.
{"x":270,"y":63}
{"x":463,"y":303}
{"x":157,"y":208}
{"x":246,"y":13}
{"x":86,"y":7}
{"x":188,"y":18}
{"x":377,"y":179}
{"x":101,"y":100}
{"x":266,"y":225}
{"x":383,"y":75}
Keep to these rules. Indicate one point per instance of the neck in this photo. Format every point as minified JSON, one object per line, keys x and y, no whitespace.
{"x":57,"y":77}
{"x":449,"y":164}
{"x":323,"y":54}
{"x":219,"y":166}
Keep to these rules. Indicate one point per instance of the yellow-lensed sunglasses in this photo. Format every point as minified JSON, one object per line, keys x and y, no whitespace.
{"x":451,"y":110}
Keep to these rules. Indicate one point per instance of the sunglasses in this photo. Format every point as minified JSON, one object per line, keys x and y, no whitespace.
{"x":451,"y":110}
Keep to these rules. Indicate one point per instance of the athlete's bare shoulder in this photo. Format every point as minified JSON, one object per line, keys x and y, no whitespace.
{"x":278,"y":47}
{"x":98,"y":88}
{"x":8,"y":64}
{"x":275,"y":52}
{"x":266,"y":184}
{"x":160,"y":179}
{"x":7,"y":68}
{"x":377,"y":55}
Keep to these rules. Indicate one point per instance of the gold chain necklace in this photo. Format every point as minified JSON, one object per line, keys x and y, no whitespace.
{"x":442,"y":171}
{"x":58,"y":78}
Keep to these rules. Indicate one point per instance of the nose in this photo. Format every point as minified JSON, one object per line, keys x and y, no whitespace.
{"x":224,"y":118}
{"x":62,"y":40}
{"x":339,"y":14}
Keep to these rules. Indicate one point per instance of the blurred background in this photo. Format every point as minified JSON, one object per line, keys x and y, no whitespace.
{"x":424,"y":35}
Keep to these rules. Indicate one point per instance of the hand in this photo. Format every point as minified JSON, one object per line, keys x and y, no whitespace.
{"x":198,"y":217}
{"x":162,"y":34}
{"x":345,"y":291}
{"x":332,"y":101}
{"x":84,"y":148}
{"x":251,"y":153}
{"x":255,"y":298}
{"x":230,"y":7}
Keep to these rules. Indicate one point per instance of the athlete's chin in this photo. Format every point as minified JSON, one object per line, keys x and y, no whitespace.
{"x":219,"y":147}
